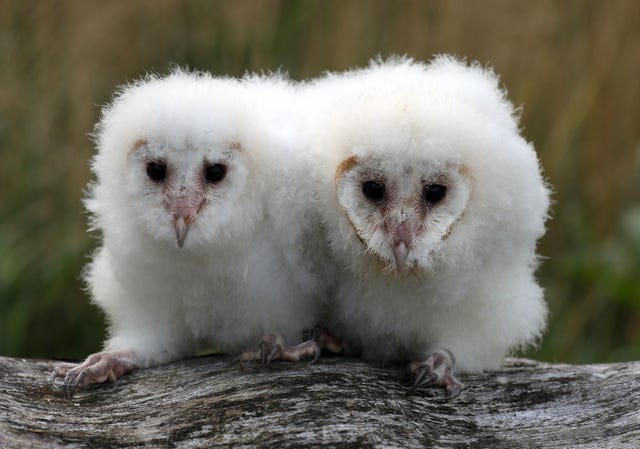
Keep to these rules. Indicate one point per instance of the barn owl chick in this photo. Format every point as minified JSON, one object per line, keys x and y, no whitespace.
{"x":202,"y":247}
{"x":433,"y":204}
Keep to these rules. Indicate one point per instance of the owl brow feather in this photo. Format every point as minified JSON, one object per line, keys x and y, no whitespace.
{"x":233,"y":145}
{"x":344,"y":166}
{"x":137,"y":145}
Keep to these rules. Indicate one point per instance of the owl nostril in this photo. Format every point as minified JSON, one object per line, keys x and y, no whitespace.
{"x":403,"y":234}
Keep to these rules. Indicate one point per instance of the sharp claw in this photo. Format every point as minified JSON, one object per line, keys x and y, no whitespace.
{"x":454,"y":386}
{"x":73,"y":385}
{"x":316,"y":355}
{"x":79,"y":379}
{"x":67,"y":379}
{"x":53,"y":377}
{"x":66,"y":388}
{"x":419,"y":380}
{"x":454,"y":389}
{"x":275,"y":351}
{"x":264,"y":351}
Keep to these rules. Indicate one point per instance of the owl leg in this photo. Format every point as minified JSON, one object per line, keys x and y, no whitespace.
{"x":436,"y":370}
{"x":97,"y":368}
{"x":274,"y":347}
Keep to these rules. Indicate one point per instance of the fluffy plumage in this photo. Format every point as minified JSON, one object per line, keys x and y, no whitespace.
{"x":193,"y":175}
{"x":433,"y":204}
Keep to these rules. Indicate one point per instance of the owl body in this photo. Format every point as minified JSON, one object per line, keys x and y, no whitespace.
{"x":432,"y":204}
{"x":196,"y":252}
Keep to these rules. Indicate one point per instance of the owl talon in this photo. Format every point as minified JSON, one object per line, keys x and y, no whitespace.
{"x":271,"y":353}
{"x":97,"y":368}
{"x":436,"y":370}
{"x":274,"y":347}
{"x":326,"y":340}
{"x":420,"y":380}
{"x":71,"y":384}
{"x":60,"y":370}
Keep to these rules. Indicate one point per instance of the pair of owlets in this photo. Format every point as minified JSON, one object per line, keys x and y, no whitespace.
{"x":397,"y":205}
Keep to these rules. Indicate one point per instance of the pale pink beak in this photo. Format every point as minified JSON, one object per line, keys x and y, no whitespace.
{"x":184,"y":211}
{"x":401,"y":244}
{"x":400,"y":253}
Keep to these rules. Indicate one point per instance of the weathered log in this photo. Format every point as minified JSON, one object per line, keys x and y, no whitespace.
{"x":337,"y":402}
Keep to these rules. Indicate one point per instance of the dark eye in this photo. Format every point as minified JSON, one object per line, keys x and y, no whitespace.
{"x":373,"y":190}
{"x":215,"y":173}
{"x":434,"y":193}
{"x":157,"y":171}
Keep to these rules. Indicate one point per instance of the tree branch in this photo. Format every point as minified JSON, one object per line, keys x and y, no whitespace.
{"x":337,"y":402}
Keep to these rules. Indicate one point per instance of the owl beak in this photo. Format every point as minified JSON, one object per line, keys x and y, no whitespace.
{"x":184,"y":211}
{"x":401,"y":245}
{"x":181,"y":230}
{"x":400,"y":253}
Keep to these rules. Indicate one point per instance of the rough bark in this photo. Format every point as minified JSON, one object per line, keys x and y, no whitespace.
{"x":209,"y":402}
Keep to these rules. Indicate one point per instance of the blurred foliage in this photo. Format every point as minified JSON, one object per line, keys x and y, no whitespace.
{"x":573,"y":65}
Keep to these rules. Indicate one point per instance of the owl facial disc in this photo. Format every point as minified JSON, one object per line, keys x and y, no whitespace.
{"x":402,"y":213}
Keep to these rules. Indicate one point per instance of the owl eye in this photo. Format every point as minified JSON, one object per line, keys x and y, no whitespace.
{"x":215,"y":173}
{"x":157,"y":171}
{"x":434,"y":193}
{"x":373,"y":190}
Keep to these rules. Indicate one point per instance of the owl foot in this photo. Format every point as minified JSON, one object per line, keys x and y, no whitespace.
{"x":97,"y":368}
{"x":437,"y":370}
{"x":326,"y":340}
{"x":274,"y":347}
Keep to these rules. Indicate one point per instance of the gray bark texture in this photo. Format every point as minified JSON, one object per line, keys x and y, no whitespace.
{"x":337,"y":402}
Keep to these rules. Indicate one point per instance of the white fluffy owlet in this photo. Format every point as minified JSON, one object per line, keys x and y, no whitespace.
{"x":433,"y":204}
{"x":202,"y":245}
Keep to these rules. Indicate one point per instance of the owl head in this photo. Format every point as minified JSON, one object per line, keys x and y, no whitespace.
{"x":427,"y":168}
{"x":181,"y":160}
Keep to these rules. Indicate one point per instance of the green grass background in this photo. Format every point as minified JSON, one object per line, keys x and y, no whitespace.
{"x":573,"y":65}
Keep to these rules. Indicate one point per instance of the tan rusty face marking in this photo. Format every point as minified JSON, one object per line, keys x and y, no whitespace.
{"x":464,"y":171}
{"x":356,"y":230}
{"x":137,"y":145}
{"x":234,"y":145}
{"x":345,"y":166}
{"x":447,"y":233}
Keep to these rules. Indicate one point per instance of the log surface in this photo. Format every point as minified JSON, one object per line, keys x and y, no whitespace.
{"x":337,"y":402}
